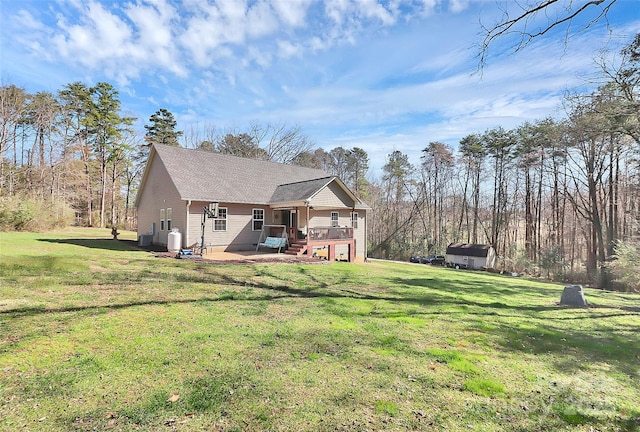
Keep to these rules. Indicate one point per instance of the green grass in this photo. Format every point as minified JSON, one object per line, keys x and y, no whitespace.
{"x":96,"y":334}
{"x":484,"y":387}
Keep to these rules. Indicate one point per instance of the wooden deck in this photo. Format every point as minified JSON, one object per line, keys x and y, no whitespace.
{"x":325,"y":237}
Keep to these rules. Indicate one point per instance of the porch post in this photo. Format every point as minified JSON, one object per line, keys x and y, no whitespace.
{"x":309,"y":247}
{"x":352,"y":250}
{"x":331,"y":256}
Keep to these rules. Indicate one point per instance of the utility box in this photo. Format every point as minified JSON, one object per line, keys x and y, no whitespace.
{"x":145,"y":240}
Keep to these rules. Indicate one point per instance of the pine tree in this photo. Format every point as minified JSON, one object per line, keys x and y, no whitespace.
{"x":162,"y":129}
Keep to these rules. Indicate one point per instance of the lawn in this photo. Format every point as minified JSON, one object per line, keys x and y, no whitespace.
{"x":97,"y":334}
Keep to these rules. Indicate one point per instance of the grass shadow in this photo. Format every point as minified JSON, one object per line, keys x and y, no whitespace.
{"x":538,"y":327}
{"x":105,"y":244}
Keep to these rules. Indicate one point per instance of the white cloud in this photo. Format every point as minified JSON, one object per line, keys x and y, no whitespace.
{"x":154,"y":25}
{"x":210,"y":28}
{"x":373,"y":9}
{"x":261,"y":20}
{"x":337,"y":10}
{"x":345,"y":13}
{"x":98,"y":35}
{"x":260,"y":57}
{"x":121,"y":43}
{"x":287,"y":50}
{"x":377,"y":74}
{"x":457,"y":6}
{"x":291,"y":13}
{"x":28,"y":22}
{"x":428,"y":6}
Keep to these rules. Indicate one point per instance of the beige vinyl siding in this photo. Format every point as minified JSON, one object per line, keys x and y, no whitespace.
{"x":320,"y":218}
{"x":195,"y":218}
{"x":360,"y":235}
{"x":159,"y":193}
{"x":332,"y":196}
{"x":238,"y":236}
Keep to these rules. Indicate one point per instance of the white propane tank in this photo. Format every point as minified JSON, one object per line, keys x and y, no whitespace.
{"x":175,"y":240}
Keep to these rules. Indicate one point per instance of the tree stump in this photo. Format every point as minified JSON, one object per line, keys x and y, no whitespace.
{"x":573,"y":295}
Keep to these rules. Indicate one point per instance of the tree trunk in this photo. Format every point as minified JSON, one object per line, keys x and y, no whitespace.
{"x":103,"y":189}
{"x":89,"y":190}
{"x":476,"y":204}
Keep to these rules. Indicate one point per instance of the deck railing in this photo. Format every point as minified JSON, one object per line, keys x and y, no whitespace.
{"x":330,"y":233}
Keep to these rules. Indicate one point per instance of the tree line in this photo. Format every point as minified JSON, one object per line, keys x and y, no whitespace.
{"x":557,"y":197}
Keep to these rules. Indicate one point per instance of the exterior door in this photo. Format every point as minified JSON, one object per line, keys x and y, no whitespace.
{"x":290,"y":219}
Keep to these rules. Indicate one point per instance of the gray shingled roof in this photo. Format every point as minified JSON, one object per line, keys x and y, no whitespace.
{"x":299,"y":191}
{"x":466,"y":249}
{"x":205,"y":176}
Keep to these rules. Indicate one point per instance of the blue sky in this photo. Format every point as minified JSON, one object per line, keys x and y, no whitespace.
{"x":383,"y":76}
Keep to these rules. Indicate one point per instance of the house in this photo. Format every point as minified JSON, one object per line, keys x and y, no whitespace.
{"x":250,"y":200}
{"x":472,"y":256}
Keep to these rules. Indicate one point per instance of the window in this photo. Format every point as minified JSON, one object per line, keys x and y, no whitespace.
{"x":161,"y":219}
{"x":334,"y":219}
{"x":354,"y":220}
{"x":258,"y":219}
{"x":169,"y":219}
{"x":220,"y":224}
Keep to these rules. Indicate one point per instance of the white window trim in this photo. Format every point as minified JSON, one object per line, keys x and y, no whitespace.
{"x":354,"y":220}
{"x":162,"y":216}
{"x":336,"y":222}
{"x":169,"y":217}
{"x":225,"y":219}
{"x":254,"y":220}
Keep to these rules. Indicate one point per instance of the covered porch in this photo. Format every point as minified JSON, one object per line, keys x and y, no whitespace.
{"x":321,"y":218}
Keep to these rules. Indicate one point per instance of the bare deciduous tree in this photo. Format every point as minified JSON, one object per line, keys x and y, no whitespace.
{"x":280,"y":142}
{"x":533,"y":19}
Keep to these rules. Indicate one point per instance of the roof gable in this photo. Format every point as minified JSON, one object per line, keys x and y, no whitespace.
{"x":305,"y":191}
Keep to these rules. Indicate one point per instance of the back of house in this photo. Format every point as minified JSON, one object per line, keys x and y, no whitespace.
{"x":251,"y":197}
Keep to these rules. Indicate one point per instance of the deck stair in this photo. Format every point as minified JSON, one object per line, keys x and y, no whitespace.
{"x":298,"y":248}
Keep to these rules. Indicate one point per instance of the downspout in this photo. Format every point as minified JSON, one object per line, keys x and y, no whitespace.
{"x":185,"y":238}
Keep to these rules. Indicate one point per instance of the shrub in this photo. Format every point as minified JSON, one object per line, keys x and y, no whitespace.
{"x":552,"y":260}
{"x":18,"y":213}
{"x":625,"y":266}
